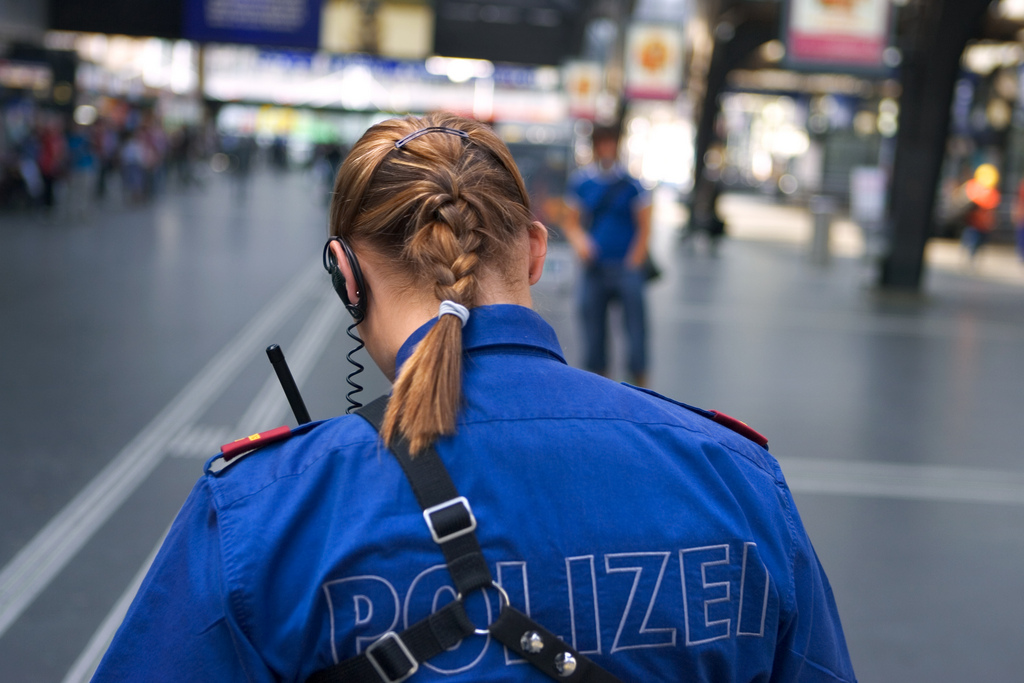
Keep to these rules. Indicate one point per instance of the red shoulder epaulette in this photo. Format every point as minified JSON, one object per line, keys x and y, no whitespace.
{"x":740,"y":427}
{"x":246,"y":444}
{"x":731,"y":423}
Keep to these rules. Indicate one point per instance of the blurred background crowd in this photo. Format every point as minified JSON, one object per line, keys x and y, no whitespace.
{"x":51,"y":159}
{"x":92,"y":113}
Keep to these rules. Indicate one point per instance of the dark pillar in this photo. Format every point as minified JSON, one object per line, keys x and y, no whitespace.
{"x":937,"y":35}
{"x":738,"y":33}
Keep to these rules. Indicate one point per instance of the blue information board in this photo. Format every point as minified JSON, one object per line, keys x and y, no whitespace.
{"x":290,"y":23}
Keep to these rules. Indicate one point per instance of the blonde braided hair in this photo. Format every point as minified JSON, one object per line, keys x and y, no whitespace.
{"x":438,"y":207}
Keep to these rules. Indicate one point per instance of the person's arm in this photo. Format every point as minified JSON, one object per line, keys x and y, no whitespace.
{"x":578,"y":239}
{"x":178,"y":628}
{"x":640,"y":244}
{"x":812,"y":646}
{"x":572,"y":221}
{"x":1018,"y":206}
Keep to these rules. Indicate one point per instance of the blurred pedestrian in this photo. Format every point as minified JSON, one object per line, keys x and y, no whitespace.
{"x":134,"y":158}
{"x":1018,"y":219}
{"x":179,"y":156}
{"x":243,"y":150}
{"x":29,"y":170}
{"x":980,"y":199}
{"x":361,"y":548}
{"x":327,"y":167}
{"x":705,"y":217}
{"x":607,"y":222}
{"x":105,"y":144}
{"x":81,"y":172}
{"x":154,"y":146}
{"x":52,"y":158}
{"x":279,"y":153}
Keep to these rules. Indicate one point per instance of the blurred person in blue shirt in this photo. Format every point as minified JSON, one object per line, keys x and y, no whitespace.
{"x":607,"y":223}
{"x":82,"y":168}
{"x":660,"y":540}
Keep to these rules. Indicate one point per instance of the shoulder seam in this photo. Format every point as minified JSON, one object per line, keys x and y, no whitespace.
{"x":334,"y":449}
{"x":766,"y":470}
{"x":786,"y":497}
{"x":235,"y":595}
{"x":731,"y":423}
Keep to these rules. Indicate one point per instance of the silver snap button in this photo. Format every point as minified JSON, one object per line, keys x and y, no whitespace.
{"x":565,"y":663}
{"x":532,"y":642}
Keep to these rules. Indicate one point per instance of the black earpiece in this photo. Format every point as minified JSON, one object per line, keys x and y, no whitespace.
{"x":358,"y":309}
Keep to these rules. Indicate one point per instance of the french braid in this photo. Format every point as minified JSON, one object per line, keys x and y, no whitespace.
{"x":440,"y":207}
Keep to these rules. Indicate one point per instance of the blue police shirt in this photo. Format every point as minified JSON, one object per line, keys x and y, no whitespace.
{"x":613,"y":227}
{"x":658,"y":542}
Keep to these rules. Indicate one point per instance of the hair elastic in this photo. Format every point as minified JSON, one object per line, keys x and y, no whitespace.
{"x":452,"y":308}
{"x":430,"y":129}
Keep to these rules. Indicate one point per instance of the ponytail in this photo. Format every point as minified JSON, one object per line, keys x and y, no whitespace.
{"x":427,"y":394}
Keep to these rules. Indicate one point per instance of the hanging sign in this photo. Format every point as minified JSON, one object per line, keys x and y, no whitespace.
{"x":285,"y":23}
{"x":846,"y":35}
{"x":583,"y":82}
{"x":653,"y":62}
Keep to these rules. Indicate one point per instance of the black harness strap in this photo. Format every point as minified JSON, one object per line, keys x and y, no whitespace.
{"x":447,"y":514}
{"x":611,"y":193}
{"x":395,"y":657}
{"x":545,"y":650}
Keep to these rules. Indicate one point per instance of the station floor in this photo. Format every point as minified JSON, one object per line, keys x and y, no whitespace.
{"x":133,"y":341}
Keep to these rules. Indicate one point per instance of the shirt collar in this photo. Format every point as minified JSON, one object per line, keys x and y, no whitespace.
{"x":495,"y":325}
{"x":616,"y":171}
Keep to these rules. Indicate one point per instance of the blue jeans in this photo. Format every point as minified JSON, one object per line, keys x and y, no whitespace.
{"x":973,"y":239}
{"x":601,"y":284}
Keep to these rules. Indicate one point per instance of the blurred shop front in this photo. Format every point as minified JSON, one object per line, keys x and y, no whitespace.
{"x":73,"y":103}
{"x":793,"y":136}
{"x":986,"y":127}
{"x":317,"y":104}
{"x":216,"y":87}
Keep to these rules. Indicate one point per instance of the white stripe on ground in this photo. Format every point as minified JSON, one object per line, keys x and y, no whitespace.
{"x":855,"y":323}
{"x":201,"y":441}
{"x":913,"y":482}
{"x":85,"y":666}
{"x":32,"y":569}
{"x":269,"y":405}
{"x":269,"y":408}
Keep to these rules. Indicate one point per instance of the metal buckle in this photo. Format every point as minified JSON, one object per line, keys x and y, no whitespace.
{"x":503,"y":598}
{"x":461,"y":500}
{"x":405,"y":651}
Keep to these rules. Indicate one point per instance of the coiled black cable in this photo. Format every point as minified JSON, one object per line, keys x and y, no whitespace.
{"x":356,"y":387}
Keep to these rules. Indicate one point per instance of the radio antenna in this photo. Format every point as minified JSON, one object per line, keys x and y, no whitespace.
{"x":291,"y":390}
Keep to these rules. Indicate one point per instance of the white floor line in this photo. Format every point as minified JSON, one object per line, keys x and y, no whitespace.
{"x":909,"y":482}
{"x":35,"y":566}
{"x":270,"y":407}
{"x":201,"y":442}
{"x":269,"y":404}
{"x":857,"y":323}
{"x":85,"y":666}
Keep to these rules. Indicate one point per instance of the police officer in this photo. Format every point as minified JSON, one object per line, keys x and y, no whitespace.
{"x":658,"y":541}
